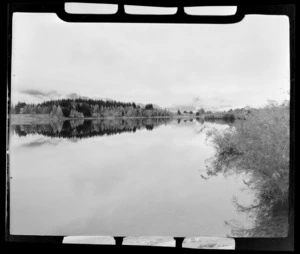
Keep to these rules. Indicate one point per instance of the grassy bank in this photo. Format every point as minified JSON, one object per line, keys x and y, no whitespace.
{"x":258,"y":147}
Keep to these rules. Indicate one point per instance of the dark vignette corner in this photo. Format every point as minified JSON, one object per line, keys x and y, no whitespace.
{"x":179,"y":17}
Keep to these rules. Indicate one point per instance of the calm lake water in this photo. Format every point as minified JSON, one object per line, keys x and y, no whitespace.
{"x":126,"y":178}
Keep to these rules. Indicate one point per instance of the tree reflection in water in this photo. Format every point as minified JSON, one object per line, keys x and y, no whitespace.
{"x":89,"y":128}
{"x":258,"y":148}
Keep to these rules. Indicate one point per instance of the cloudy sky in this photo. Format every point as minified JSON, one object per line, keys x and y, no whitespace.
{"x":215,"y":66}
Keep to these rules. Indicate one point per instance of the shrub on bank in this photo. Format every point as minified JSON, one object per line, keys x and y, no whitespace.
{"x":259,"y":147}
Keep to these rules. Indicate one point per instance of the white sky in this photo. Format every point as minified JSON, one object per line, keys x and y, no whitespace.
{"x":219,"y":66}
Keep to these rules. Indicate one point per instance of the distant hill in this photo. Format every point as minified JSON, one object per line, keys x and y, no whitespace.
{"x":74,"y":96}
{"x":182,"y":108}
{"x":197,"y":104}
{"x":194,"y":106}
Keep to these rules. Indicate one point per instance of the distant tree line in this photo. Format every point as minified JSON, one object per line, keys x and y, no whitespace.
{"x":79,"y":108}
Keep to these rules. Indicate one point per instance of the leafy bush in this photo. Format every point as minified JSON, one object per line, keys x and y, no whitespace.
{"x":259,"y":147}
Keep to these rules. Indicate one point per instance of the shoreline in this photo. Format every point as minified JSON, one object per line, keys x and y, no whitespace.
{"x":19,"y":119}
{"x":28,"y":119}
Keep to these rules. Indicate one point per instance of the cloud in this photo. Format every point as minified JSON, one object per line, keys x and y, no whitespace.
{"x":77,"y":96}
{"x":40,"y":94}
{"x":52,"y":94}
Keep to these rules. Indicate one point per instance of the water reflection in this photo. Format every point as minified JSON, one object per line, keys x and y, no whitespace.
{"x":89,"y":128}
{"x":147,"y":183}
{"x":142,"y":184}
